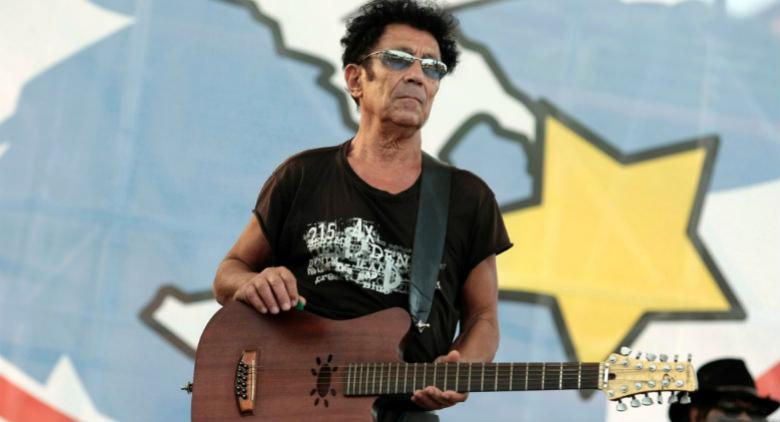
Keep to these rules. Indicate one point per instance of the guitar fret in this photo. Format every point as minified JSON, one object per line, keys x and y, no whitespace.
{"x":364,"y":369}
{"x":406,"y":378}
{"x":389,"y":371}
{"x":511,"y":370}
{"x":560,"y":378}
{"x":482,"y":380}
{"x":543,"y":375}
{"x":469,"y":383}
{"x":445,"y":376}
{"x":496,"y":367}
{"x":526,"y":376}
{"x":373,"y":381}
{"x":579,"y":375}
{"x":414,"y":378}
{"x":381,"y":372}
{"x":425,"y":370}
{"x":397,"y":370}
{"x":433,"y":382}
{"x":457,"y":372}
{"x":362,"y":385}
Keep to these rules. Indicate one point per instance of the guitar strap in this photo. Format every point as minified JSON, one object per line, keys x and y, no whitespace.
{"x":429,"y":234}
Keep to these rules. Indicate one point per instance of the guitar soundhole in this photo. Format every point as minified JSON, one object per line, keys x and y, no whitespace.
{"x":322,"y":376}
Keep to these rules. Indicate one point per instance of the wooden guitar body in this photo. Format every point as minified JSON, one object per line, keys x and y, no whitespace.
{"x":300,"y":364}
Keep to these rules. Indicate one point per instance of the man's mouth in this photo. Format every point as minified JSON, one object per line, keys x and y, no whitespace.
{"x":410,"y":97}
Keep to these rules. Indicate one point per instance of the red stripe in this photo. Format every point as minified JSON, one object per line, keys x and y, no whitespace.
{"x":768,"y":383}
{"x":16,"y":405}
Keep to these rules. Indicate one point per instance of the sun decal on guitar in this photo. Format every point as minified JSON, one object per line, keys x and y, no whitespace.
{"x":322,"y":377}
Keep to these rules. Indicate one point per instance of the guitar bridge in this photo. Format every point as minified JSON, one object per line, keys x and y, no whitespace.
{"x":246,"y":376}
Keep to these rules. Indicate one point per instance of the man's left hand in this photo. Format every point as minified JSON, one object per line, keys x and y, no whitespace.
{"x":432,"y":398}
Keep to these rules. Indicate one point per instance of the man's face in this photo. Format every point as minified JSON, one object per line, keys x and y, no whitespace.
{"x":403,"y":97}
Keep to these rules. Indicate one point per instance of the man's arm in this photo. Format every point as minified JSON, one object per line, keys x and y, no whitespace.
{"x":478,"y":339}
{"x":270,"y":289}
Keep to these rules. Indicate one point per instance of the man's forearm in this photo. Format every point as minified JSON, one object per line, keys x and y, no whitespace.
{"x":231,"y":275}
{"x":478,"y":340}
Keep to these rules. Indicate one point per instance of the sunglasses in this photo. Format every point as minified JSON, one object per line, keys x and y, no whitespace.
{"x":400,"y":60}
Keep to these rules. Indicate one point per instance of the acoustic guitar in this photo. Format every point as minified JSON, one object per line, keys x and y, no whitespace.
{"x":297,"y":366}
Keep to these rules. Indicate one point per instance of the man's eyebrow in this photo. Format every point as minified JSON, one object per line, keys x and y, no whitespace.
{"x":410,"y":51}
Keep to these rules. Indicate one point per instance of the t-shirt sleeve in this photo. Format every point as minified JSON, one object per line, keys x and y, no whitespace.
{"x":275,"y":201}
{"x":488,"y":233}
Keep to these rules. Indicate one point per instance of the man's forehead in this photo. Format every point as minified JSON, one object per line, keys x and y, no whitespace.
{"x":406,"y":38}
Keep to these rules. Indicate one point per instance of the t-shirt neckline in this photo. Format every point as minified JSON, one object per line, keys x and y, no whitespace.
{"x":410,"y":192}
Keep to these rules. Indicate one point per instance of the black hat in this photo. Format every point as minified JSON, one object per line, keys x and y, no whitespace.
{"x":724,"y":379}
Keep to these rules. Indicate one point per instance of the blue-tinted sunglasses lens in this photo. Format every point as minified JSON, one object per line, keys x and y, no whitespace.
{"x":399,"y":60}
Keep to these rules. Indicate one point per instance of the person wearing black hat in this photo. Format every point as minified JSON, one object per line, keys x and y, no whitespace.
{"x":727,"y":392}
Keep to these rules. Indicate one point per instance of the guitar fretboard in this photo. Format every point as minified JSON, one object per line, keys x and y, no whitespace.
{"x":364,"y":379}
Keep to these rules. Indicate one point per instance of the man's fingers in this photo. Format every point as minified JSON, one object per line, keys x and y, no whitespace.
{"x":452,"y":356}
{"x":279,"y":289}
{"x":432,"y":398}
{"x":250,"y":296}
{"x":455,"y":397}
{"x":421,"y":399}
{"x":264,"y":291}
{"x":272,"y":290}
{"x":290,"y":284}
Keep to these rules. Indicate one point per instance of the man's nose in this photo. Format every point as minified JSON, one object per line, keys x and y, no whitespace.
{"x":415,"y":73}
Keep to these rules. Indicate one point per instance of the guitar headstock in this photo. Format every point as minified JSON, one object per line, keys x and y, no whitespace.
{"x":628,"y":374}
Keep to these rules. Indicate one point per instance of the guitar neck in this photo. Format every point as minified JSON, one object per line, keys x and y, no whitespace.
{"x":368,"y":379}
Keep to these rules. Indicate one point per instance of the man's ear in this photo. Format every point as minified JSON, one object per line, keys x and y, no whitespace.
{"x":354,"y":82}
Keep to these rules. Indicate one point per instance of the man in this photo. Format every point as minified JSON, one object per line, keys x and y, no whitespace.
{"x":334,"y":227}
{"x":726,"y":392}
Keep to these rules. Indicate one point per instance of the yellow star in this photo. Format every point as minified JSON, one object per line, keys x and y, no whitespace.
{"x":609,"y":240}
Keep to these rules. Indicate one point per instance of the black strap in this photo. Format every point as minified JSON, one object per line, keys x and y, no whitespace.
{"x":429,"y":233}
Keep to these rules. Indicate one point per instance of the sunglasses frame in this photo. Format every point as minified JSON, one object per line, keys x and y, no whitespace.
{"x":432,"y":68}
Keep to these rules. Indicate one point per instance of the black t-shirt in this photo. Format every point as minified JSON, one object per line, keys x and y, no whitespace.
{"x":349,"y":244}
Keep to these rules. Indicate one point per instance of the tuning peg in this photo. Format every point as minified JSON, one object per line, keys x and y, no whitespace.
{"x":690,"y":357}
{"x":685,"y":399}
{"x":621,"y":407}
{"x":660,"y":398}
{"x":635,"y":402}
{"x":651,"y":357}
{"x":676,"y":357}
{"x":663,"y":358}
{"x":647,"y":401}
{"x":673,"y":398}
{"x":638,"y":355}
{"x":187,"y":387}
{"x":625,"y":351}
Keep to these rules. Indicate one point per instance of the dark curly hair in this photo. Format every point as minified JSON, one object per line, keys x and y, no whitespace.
{"x":364,"y":30}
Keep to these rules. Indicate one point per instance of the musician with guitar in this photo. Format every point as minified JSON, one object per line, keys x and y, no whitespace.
{"x":334,"y":228}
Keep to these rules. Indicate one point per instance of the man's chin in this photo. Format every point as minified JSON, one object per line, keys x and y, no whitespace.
{"x":409,"y":120}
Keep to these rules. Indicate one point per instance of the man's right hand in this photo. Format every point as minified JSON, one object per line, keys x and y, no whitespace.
{"x":272,"y":289}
